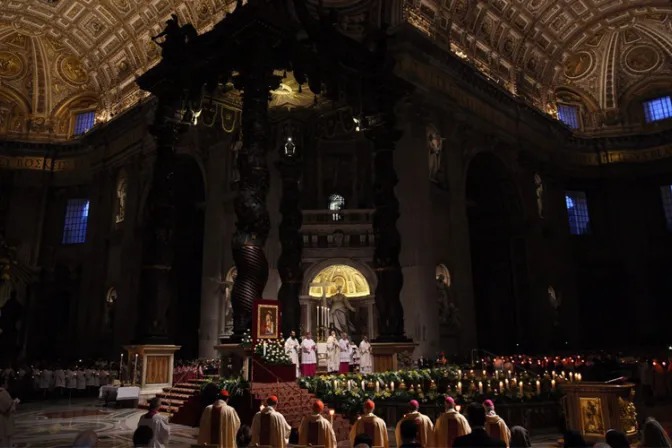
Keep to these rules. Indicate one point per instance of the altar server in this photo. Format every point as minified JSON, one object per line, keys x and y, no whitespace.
{"x":308,"y":356}
{"x":292,"y":350}
{"x":219,"y":424}
{"x":59,"y":380}
{"x":494,"y":424}
{"x":160,"y":428}
{"x":425,"y":428}
{"x":81,"y":381}
{"x":333,"y":351}
{"x":449,"y":426}
{"x":371,"y":425}
{"x":269,"y":427}
{"x":365,"y":358}
{"x":344,"y":357}
{"x":316,"y":430}
{"x":46,"y":378}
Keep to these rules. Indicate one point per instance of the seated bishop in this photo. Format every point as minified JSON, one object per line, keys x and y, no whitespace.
{"x":269,"y":427}
{"x":219,"y":423}
{"x":371,"y":425}
{"x":316,"y":430}
{"x":494,"y":424}
{"x":425,"y":427}
{"x":449,"y":426}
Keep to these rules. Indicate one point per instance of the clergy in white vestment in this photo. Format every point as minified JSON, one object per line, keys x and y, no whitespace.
{"x":7,"y":410}
{"x":81,"y":380}
{"x":365,"y":358}
{"x":371,"y":425}
{"x":308,"y":356}
{"x":59,"y":379}
{"x":425,"y":428}
{"x":316,"y":430}
{"x":269,"y":427}
{"x":333,"y":350}
{"x":344,"y":356}
{"x":46,"y":378}
{"x":154,"y":420}
{"x":70,"y":380}
{"x":292,"y":350}
{"x":449,"y":426}
{"x":219,"y":424}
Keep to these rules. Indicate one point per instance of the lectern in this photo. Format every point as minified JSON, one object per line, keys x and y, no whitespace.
{"x":594,"y":408}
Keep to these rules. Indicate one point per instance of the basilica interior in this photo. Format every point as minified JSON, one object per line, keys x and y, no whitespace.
{"x":518,"y":198}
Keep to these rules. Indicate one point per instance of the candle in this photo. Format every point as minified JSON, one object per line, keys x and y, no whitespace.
{"x":480,"y":387}
{"x":509,"y":374}
{"x":579,"y":377}
{"x":520,"y":388}
{"x":135,"y":368}
{"x":349,"y":384}
{"x":485,"y":374}
{"x":121,"y":363}
{"x":335,"y":384}
{"x":458,"y":408}
{"x":553,"y":385}
{"x":459,"y":388}
{"x":553,"y":374}
{"x":538,"y":387}
{"x":507,"y":383}
{"x":331,"y":416}
{"x":392,"y":386}
{"x":362,"y":384}
{"x":471,"y":373}
{"x":377,"y":386}
{"x":459,"y":373}
{"x":496,"y":374}
{"x":571,"y":376}
{"x":501,"y":387}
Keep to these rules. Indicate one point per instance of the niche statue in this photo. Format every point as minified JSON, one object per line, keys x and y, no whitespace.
{"x":340,"y":309}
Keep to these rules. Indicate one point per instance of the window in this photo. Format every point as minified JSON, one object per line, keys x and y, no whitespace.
{"x":658,"y":109}
{"x":666,"y":193}
{"x":577,"y":211}
{"x":84,"y":121}
{"x":76,"y":218}
{"x":336,"y":202}
{"x":569,"y":115}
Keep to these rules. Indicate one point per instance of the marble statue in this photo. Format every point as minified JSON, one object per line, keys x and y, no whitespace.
{"x":339,"y":313}
{"x":435,"y":147}
{"x":449,"y":313}
{"x":540,"y":195}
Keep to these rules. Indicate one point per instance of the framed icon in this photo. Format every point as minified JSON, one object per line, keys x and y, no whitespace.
{"x":267,"y":319}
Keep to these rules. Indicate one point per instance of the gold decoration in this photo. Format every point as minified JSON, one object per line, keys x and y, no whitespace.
{"x":433,"y":385}
{"x":352,"y":282}
{"x":628,"y":416}
{"x":578,"y":65}
{"x":17,"y":39}
{"x":73,"y":70}
{"x":10,"y":65}
{"x":402,"y":386}
{"x":642,"y":59}
{"x":591,"y":416}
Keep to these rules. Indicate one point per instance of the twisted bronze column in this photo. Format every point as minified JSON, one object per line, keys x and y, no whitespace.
{"x":156,"y":288}
{"x":256,"y":81}
{"x":384,"y":135}
{"x":289,"y":262}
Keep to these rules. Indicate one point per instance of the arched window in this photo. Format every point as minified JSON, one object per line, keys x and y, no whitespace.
{"x":121,"y":198}
{"x":336,"y":202}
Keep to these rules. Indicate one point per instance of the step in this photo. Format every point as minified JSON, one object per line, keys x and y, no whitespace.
{"x":180,"y":390}
{"x":171,"y":402}
{"x":174,"y":396}
{"x":189,"y":386}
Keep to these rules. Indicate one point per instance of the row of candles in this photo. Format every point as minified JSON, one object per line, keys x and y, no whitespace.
{"x":572,"y":376}
{"x":504,"y":385}
{"x":135,"y":368}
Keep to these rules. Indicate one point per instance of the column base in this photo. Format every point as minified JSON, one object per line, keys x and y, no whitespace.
{"x":386,"y":355}
{"x":152,"y":370}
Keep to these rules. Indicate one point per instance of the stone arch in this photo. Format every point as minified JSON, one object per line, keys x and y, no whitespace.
{"x":319,"y":266}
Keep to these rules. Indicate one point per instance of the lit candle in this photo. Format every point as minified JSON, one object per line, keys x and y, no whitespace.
{"x":335,"y":384}
{"x":520,"y":388}
{"x":480,"y":387}
{"x":471,"y":373}
{"x":485,"y":374}
{"x":349,"y":385}
{"x":459,"y":373}
{"x":121,"y":363}
{"x":459,"y":387}
{"x":331,"y":416}
{"x":362,"y":384}
{"x":538,"y":387}
{"x":509,"y":374}
{"x":458,"y":408}
{"x":392,"y":386}
{"x":377,"y":386}
{"x":507,"y":383}
{"x":580,"y":377}
{"x":553,"y":374}
{"x":571,"y":376}
{"x":135,"y":368}
{"x":501,"y":387}
{"x":496,"y":374}
{"x":553,"y":385}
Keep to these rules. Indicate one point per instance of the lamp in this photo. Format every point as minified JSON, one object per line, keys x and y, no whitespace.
{"x":290,"y":147}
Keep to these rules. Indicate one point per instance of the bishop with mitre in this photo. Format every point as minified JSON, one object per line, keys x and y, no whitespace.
{"x":269,"y":427}
{"x":449,"y":426}
{"x":219,"y":423}
{"x":316,"y":430}
{"x":369,"y":424}
{"x":494,"y":424}
{"x":425,"y":427}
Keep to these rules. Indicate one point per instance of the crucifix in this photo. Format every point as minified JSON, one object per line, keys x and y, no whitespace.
{"x":322,"y":311}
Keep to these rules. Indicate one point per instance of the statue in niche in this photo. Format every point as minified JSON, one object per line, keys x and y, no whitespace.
{"x":555,"y":303}
{"x":540,"y":194}
{"x":110,"y":301}
{"x":339,"y":313}
{"x":236,"y":147}
{"x":223,"y":293}
{"x":435,"y":147}
{"x":449,"y":314}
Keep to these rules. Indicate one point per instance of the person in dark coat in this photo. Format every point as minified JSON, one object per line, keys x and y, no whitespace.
{"x":479,"y":436}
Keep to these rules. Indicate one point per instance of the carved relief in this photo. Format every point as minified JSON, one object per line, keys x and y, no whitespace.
{"x":642,"y":59}
{"x":592,"y":419}
{"x":11,"y":65}
{"x":578,"y":65}
{"x":73,"y":71}
{"x":434,"y":146}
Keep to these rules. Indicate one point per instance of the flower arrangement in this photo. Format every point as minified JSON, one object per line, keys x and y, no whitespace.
{"x":236,"y":386}
{"x":429,"y":386}
{"x":247,"y":339}
{"x":272,"y":351}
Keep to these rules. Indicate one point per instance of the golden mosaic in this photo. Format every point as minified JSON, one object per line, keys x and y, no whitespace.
{"x":11,"y":65}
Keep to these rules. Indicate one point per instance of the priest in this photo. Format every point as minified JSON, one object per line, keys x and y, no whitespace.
{"x":219,"y":423}
{"x":494,"y":424}
{"x":371,"y":425}
{"x":292,"y":350}
{"x":365,"y":358}
{"x":425,"y":427}
{"x":316,"y":430}
{"x":269,"y":427}
{"x":308,"y":356}
{"x":344,"y":357}
{"x":449,"y":426}
{"x":333,"y":351}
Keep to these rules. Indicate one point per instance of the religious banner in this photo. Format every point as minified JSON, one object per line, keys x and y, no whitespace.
{"x":266,"y":319}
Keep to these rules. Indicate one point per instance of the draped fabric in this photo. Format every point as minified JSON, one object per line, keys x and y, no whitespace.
{"x":317,"y":431}
{"x":269,"y":428}
{"x":425,"y":426}
{"x":496,"y":428}
{"x":219,"y":425}
{"x":333,"y":351}
{"x":365,"y":358}
{"x":374,"y":427}
{"x":449,"y":426}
